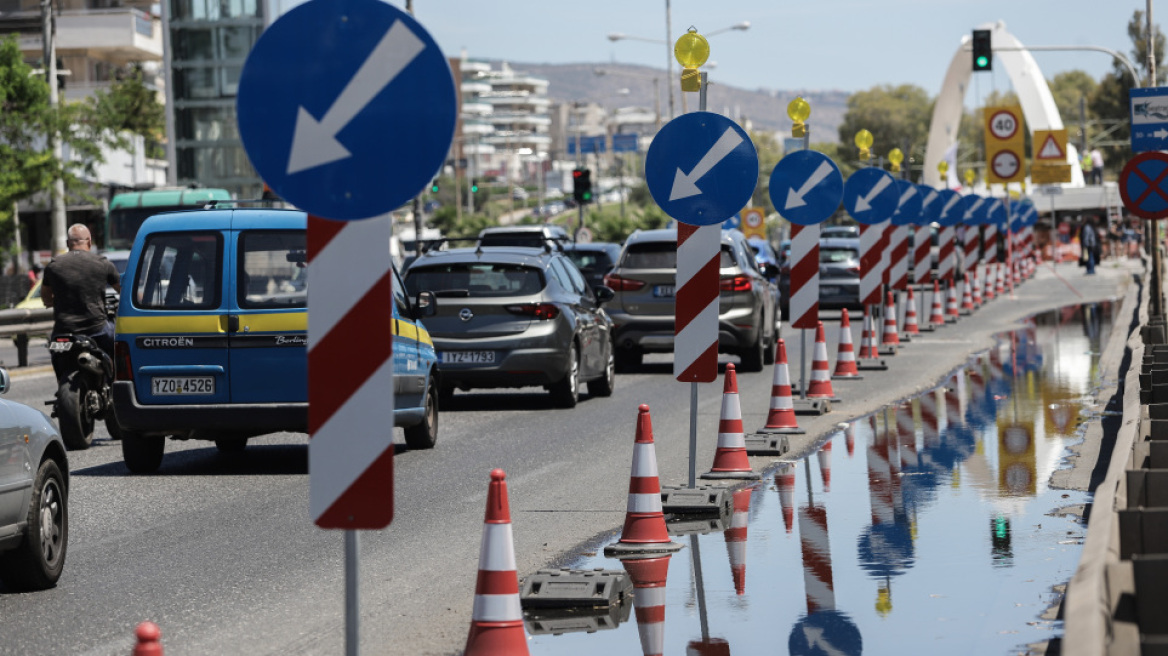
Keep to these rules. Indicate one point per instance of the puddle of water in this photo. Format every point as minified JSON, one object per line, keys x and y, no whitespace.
{"x":927,"y":527}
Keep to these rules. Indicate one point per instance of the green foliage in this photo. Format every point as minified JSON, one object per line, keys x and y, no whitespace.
{"x":770,"y":151}
{"x":130,"y":106}
{"x":607,"y":224}
{"x":897,"y":117}
{"x":25,"y":165}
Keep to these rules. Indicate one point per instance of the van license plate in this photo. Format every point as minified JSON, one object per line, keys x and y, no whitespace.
{"x":663,"y":291}
{"x":829,"y":291}
{"x":182,"y":385}
{"x":468,"y":357}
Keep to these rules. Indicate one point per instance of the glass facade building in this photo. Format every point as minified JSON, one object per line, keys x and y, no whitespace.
{"x":209,"y":42}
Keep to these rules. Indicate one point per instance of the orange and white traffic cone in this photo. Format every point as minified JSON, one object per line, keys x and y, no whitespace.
{"x":891,"y":335}
{"x":824,"y":458}
{"x":850,"y":438}
{"x":937,"y":316}
{"x":496,"y":626}
{"x":644,"y":531}
{"x":988,"y":286}
{"x":730,"y":459}
{"x":868,"y":336}
{"x":781,"y":418}
{"x":735,"y":535}
{"x":1000,"y":286}
{"x":785,"y":482}
{"x":148,"y":640}
{"x":845,"y":360}
{"x":976,"y":286}
{"x":819,"y":387}
{"x":910,"y":314}
{"x":966,"y":296}
{"x":951,"y":310}
{"x":649,"y":576}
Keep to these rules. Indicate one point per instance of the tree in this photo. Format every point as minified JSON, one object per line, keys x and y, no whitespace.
{"x":26,"y":166}
{"x":769,"y":153}
{"x":897,"y":117}
{"x":130,"y":106}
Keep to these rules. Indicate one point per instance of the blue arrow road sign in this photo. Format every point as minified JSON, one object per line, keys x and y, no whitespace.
{"x":806,"y":187}
{"x":908,"y":209}
{"x":969,"y":206}
{"x":1149,"y":119}
{"x":870,"y":195}
{"x":1025,"y":211}
{"x":930,"y":205}
{"x":950,"y":213}
{"x":346,"y":107}
{"x":701,"y":168}
{"x":996,"y":213}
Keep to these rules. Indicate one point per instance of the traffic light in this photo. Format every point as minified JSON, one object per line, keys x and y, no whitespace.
{"x":474,"y":186}
{"x":582,"y":185}
{"x":434,"y":186}
{"x":983,"y":56}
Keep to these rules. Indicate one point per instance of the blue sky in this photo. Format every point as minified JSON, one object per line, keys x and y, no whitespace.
{"x":791,"y":44}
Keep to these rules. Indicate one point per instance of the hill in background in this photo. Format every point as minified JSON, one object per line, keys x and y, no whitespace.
{"x":765,"y":108}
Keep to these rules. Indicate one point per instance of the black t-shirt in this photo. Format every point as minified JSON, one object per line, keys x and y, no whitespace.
{"x":78,"y":280}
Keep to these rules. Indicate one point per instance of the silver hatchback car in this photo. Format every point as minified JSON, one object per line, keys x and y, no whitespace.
{"x":643,"y":310}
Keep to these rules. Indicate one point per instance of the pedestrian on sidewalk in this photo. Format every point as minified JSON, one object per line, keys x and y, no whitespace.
{"x":1089,"y":245}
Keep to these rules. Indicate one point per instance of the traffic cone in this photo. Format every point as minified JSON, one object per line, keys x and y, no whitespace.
{"x":649,"y":576}
{"x":951,"y":308}
{"x":988,"y":287}
{"x":824,"y":458}
{"x":910,"y":314}
{"x":1000,"y":286}
{"x":845,"y":361}
{"x":976,"y":286}
{"x":937,"y":317}
{"x":966,"y":296}
{"x":730,"y":459}
{"x":781,"y":418}
{"x":149,"y":640}
{"x":868,"y":336}
{"x":891,"y":333}
{"x":819,"y":387}
{"x":850,"y":438}
{"x":496,"y":626}
{"x":785,"y":482}
{"x":735,"y":535}
{"x":644,"y":531}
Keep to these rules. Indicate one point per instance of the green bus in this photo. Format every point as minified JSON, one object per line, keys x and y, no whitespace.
{"x":127,"y":211}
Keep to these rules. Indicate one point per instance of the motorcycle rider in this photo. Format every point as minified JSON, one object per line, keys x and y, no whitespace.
{"x":74,"y":286}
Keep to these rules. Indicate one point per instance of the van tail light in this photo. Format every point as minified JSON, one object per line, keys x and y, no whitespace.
{"x":619,"y":284}
{"x":123,"y":370}
{"x":538,"y":311}
{"x":736,"y":284}
{"x":855,"y":270}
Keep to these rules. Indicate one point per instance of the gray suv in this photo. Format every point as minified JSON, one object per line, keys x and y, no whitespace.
{"x":642,"y":311}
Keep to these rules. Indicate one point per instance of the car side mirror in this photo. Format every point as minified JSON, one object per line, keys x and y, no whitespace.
{"x":5,"y":381}
{"x":425,"y":305}
{"x":603,"y":293}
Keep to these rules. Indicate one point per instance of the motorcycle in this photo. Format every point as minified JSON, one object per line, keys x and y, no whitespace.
{"x":84,"y":395}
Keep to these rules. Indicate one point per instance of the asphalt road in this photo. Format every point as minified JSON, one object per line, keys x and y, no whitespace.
{"x":219,"y":550}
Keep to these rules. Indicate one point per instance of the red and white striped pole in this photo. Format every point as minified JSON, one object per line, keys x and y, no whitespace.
{"x":871,"y":267}
{"x":923,"y":255}
{"x":804,"y":300}
{"x":899,"y":247}
{"x":695,"y":324}
{"x":972,"y":246}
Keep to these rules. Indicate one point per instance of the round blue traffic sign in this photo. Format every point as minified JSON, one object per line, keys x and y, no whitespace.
{"x":908,"y":208}
{"x":870,"y":195}
{"x":827,"y":632}
{"x":969,"y":206}
{"x":950,"y":213}
{"x":930,"y":204}
{"x":346,"y":108}
{"x":1143,"y":185}
{"x":1025,"y":211}
{"x":806,"y":187}
{"x":701,"y":168}
{"x":996,"y":214}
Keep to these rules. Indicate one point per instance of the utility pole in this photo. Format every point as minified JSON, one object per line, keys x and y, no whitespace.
{"x":49,"y":36}
{"x":417,"y":206}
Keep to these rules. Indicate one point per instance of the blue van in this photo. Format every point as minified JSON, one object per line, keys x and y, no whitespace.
{"x":212,"y":336}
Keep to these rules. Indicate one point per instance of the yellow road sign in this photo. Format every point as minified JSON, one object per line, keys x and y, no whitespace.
{"x":1049,"y":173}
{"x":1004,"y":144}
{"x":754,"y":222}
{"x":1050,"y":146}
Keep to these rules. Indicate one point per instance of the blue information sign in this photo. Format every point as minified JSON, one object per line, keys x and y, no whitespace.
{"x":701,"y":168}
{"x":346,"y":108}
{"x":592,"y":144}
{"x":969,"y":206}
{"x":1149,"y":119}
{"x":870,"y":195}
{"x":625,"y":142}
{"x":930,"y":205}
{"x":908,"y":210}
{"x":950,"y":213}
{"x":806,"y":187}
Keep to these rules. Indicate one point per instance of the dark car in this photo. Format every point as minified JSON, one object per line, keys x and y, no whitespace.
{"x":839,"y":273}
{"x":840,"y":232}
{"x":595,"y":259}
{"x":516,"y":317}
{"x":531,"y":236}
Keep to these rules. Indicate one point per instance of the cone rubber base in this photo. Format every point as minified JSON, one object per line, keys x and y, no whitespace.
{"x":966,"y":313}
{"x":641,"y":550}
{"x":886,"y":350}
{"x":814,"y":407}
{"x":934,"y":326}
{"x":749,"y":476}
{"x":950,"y":319}
{"x":871,"y":365}
{"x":847,"y":377}
{"x":926,"y":329}
{"x":760,"y":444}
{"x":906,"y":337}
{"x":781,"y":431}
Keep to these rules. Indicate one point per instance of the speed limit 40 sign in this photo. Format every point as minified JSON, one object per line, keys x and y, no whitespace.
{"x":1004,"y":144}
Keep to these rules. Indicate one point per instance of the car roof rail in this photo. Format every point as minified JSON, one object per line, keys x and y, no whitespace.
{"x":428,"y":245}
{"x":272,"y":203}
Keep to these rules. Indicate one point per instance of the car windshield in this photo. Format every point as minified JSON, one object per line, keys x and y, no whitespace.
{"x":523,"y":240}
{"x":662,"y":255}
{"x":590,"y":259}
{"x":836,"y":255}
{"x":475,"y":280}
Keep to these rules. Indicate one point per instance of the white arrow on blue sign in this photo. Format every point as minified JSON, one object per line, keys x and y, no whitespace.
{"x":908,"y":208}
{"x":806,"y":187}
{"x":930,"y":205}
{"x":951,"y":212}
{"x":969,"y":207}
{"x":346,"y":108}
{"x":701,"y":168}
{"x":870,"y":195}
{"x":997,"y":213}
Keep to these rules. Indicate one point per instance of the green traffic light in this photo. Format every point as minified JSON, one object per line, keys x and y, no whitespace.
{"x":982,"y":61}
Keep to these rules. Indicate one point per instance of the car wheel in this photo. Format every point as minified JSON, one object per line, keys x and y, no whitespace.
{"x":628,"y":358}
{"x":143,"y":455}
{"x":425,"y":434}
{"x":37,"y":562}
{"x":604,"y":385}
{"x":445,"y":395}
{"x":73,"y":418}
{"x":753,"y":356}
{"x":566,"y":391}
{"x":112,"y":427}
{"x":230,"y":445}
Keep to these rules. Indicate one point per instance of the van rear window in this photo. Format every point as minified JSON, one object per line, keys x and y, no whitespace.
{"x":662,"y":255}
{"x":180,"y":270}
{"x":273,"y":269}
{"x":475,"y":280}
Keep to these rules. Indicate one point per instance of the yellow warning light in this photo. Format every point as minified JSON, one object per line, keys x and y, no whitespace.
{"x":691,"y":49}
{"x":895,"y":156}
{"x":970,"y":176}
{"x":799,"y":111}
{"x":864,"y":143}
{"x":691,"y":79}
{"x":943,"y":167}
{"x":884,"y":601}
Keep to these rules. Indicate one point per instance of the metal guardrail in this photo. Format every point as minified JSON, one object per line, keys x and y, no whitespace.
{"x":23,"y":323}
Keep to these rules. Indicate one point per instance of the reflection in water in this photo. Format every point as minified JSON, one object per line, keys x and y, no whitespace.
{"x":955,"y":549}
{"x":649,"y":576}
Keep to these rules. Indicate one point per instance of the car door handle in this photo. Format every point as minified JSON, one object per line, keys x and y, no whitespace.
{"x":233,"y":323}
